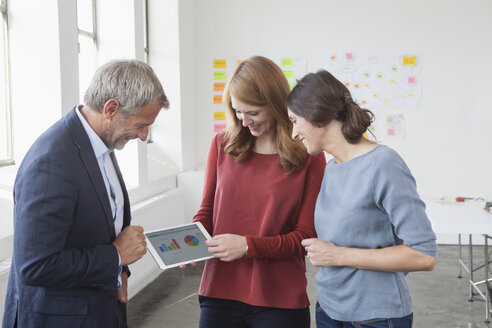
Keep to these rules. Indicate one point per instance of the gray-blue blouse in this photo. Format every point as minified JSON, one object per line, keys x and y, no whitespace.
{"x":369,"y":202}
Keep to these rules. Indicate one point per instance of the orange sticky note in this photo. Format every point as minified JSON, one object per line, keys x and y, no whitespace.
{"x":219,"y":86}
{"x":219,"y":63}
{"x":333,"y":57}
{"x":356,"y":85}
{"x":347,"y":84}
{"x":217,"y":99}
{"x":364,"y":102}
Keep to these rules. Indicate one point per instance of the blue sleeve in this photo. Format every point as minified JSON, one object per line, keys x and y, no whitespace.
{"x":45,"y":196}
{"x":395,"y":193}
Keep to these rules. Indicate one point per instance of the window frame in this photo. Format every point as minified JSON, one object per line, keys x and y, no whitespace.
{"x":9,"y":159}
{"x":90,"y":35}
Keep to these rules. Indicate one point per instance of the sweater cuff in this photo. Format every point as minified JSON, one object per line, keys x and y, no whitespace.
{"x":251,"y":247}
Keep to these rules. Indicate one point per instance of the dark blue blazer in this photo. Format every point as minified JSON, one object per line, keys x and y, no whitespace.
{"x":64,"y":269}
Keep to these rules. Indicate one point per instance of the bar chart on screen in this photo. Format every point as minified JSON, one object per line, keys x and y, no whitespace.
{"x":172,"y":246}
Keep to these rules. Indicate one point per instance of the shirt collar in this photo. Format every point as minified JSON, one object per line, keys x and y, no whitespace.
{"x":97,"y":144}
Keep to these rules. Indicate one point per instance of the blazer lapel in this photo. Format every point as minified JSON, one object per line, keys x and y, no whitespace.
{"x":87,"y":156}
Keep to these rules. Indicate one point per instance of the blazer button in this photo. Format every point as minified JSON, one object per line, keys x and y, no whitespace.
{"x":114,"y":297}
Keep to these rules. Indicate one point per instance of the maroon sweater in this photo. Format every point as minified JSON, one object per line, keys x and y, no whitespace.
{"x":275,"y":211}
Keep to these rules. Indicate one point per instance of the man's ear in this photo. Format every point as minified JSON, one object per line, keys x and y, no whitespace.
{"x":110,"y":108}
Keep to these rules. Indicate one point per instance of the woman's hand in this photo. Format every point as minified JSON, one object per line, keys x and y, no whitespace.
{"x":183,"y":266}
{"x":399,"y":258}
{"x":227,"y":247}
{"x":322,"y":253}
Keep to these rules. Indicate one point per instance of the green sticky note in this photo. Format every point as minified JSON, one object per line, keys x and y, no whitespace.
{"x":219,"y":75}
{"x":289,"y":74}
{"x":291,"y":85}
{"x":394,"y":69}
{"x":287,"y":62}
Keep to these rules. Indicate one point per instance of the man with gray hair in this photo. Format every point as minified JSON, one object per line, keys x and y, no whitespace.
{"x":73,"y":240}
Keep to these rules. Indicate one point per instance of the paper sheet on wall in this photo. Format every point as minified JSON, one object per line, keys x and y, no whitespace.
{"x":395,"y":126}
{"x":379,"y":81}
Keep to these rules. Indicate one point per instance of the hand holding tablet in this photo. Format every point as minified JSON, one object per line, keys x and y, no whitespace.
{"x":178,"y":245}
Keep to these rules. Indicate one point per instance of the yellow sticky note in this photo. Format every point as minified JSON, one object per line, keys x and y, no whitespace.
{"x":219,"y":116}
{"x":289,"y":74}
{"x":219,"y":75}
{"x":219,"y":63}
{"x":409,"y":60}
{"x":219,"y":86}
{"x":217,"y":99}
{"x":291,"y":85}
{"x":287,"y":62}
{"x":239,"y":61}
{"x":365,"y":135}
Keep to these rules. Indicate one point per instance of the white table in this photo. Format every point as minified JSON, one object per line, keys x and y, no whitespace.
{"x":465,"y":218}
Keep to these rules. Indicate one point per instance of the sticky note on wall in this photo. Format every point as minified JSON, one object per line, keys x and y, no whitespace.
{"x":217,"y":99}
{"x":219,"y":127}
{"x":219,"y":116}
{"x":287,"y":62}
{"x":289,"y":74}
{"x":220,"y":75}
{"x":219,"y":63}
{"x":219,"y":86}
{"x":409,"y":60}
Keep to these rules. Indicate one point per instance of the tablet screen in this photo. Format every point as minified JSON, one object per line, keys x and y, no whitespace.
{"x":180,"y":244}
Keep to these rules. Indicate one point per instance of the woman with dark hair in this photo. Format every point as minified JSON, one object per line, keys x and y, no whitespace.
{"x":258,"y":204}
{"x":371,"y":223}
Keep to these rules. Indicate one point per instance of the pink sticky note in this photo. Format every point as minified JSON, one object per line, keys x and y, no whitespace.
{"x":391,"y":132}
{"x":219,"y":127}
{"x":411,"y":79}
{"x":349,"y":56}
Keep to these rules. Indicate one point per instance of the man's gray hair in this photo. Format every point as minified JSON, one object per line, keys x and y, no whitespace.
{"x":133,"y":83}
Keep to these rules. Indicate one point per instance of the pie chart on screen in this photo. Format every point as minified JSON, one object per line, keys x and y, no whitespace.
{"x":191,"y":240}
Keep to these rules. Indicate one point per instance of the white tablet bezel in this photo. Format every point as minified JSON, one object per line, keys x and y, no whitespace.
{"x":156,"y":256}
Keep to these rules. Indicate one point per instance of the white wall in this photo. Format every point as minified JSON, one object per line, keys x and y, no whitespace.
{"x":448,"y":140}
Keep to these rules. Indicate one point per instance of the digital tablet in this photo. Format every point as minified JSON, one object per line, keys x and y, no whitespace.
{"x":182,"y":244}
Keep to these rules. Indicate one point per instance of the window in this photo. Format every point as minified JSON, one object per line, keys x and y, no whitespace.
{"x":6,"y":151}
{"x":86,"y":24}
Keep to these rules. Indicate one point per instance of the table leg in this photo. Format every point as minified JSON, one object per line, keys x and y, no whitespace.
{"x":459,"y":256}
{"x":470,"y":261}
{"x":486,"y":248}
